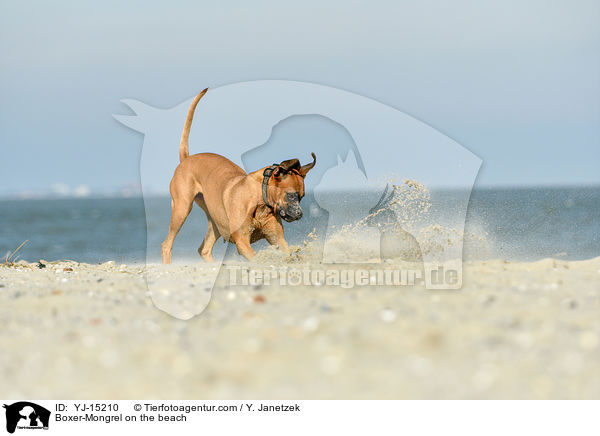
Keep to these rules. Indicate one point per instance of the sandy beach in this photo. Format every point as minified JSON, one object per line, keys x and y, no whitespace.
{"x":514,"y":330}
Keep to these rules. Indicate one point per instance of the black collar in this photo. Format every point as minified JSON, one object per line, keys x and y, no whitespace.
{"x":265,"y":184}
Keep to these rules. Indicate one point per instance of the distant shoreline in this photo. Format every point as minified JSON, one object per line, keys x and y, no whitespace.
{"x":138,"y":195}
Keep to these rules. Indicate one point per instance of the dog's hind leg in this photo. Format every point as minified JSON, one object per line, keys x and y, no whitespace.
{"x":181,"y":206}
{"x":212,"y":233}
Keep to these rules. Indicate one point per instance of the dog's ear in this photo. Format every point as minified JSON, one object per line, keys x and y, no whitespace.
{"x":306,"y":168}
{"x":285,"y":167}
{"x":290,"y":164}
{"x":278,"y":172}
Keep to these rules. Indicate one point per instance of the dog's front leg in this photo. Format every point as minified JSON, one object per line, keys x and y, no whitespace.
{"x":273,"y":231}
{"x":242,"y":242}
{"x":240,"y":205}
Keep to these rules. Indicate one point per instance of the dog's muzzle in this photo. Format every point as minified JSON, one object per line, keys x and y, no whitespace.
{"x":291,"y":214}
{"x":291,"y":211}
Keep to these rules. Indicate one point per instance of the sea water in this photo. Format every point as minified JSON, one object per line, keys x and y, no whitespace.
{"x":518,"y":224}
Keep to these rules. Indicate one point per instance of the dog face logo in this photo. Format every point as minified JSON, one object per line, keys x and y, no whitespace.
{"x":240,"y":120}
{"x":26,"y":415}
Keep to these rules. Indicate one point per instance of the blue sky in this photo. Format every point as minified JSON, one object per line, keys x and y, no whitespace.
{"x":517,"y":83}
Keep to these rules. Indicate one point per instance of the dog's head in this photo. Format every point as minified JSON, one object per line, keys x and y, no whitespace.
{"x":286,"y":188}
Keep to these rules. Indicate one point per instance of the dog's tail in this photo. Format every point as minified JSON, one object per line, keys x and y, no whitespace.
{"x":184,"y":148}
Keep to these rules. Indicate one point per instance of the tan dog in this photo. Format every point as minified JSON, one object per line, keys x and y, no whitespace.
{"x":242,"y":208}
